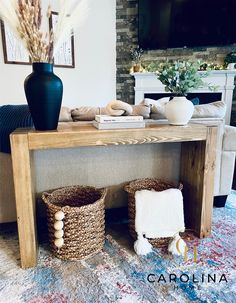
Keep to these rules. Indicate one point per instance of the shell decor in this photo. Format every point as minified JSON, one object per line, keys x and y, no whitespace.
{"x":58,"y":226}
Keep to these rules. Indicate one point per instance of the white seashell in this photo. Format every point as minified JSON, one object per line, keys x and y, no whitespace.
{"x":58,"y":225}
{"x":59,"y":234}
{"x":177,"y":246}
{"x":59,"y":215}
{"x":59,"y":242}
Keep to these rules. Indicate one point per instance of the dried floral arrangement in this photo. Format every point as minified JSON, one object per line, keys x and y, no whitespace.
{"x":24,"y":17}
{"x":136,"y":55}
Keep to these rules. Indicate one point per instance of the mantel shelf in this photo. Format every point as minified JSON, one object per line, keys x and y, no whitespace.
{"x":212,"y":72}
{"x":147,"y":83}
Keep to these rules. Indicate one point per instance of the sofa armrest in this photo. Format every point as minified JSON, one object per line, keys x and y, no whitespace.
{"x":229,"y":139}
{"x":226,"y":173}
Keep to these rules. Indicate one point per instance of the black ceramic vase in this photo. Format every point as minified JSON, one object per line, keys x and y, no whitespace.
{"x":44,"y":90}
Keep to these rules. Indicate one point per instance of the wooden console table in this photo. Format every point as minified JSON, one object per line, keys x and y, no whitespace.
{"x":197,"y":169}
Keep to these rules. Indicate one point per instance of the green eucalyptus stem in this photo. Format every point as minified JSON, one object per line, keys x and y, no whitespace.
{"x":180,"y":77}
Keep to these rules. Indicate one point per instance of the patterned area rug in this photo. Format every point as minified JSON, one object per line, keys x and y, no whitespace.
{"x":118,"y":275}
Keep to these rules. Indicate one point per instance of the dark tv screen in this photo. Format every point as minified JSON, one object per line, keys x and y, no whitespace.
{"x":186,"y":23}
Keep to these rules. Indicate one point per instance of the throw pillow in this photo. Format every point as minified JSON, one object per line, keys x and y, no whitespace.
{"x":157,"y":106}
{"x":141,"y":110}
{"x":87,"y":113}
{"x":211,"y":110}
{"x":12,"y":117}
{"x":195,"y":101}
{"x":215,"y":109}
{"x":65,"y":114}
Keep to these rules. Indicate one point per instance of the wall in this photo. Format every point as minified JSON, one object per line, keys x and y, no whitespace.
{"x":127,"y":38}
{"x":93,"y":81}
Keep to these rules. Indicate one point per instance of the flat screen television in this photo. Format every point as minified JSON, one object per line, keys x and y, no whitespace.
{"x":186,"y":23}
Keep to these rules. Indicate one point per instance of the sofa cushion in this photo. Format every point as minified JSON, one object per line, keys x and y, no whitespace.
{"x":215,"y":110}
{"x":226,"y":172}
{"x":87,"y":113}
{"x":7,"y":195}
{"x":211,"y":110}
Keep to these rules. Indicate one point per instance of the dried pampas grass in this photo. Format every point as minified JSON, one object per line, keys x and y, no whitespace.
{"x":24,"y":17}
{"x":71,"y":15}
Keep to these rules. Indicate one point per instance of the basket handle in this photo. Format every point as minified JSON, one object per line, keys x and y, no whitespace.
{"x":127,"y":187}
{"x":45,"y":196}
{"x":104,"y":192}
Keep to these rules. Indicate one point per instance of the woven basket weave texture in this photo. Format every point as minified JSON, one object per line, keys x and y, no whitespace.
{"x":149,"y":184}
{"x":84,"y":221}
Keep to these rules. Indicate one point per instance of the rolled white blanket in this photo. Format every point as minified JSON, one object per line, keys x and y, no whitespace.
{"x":119,"y":108}
{"x":159,"y":215}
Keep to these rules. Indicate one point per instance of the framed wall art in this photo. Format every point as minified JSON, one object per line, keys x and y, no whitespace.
{"x":13,"y":51}
{"x":65,"y":56}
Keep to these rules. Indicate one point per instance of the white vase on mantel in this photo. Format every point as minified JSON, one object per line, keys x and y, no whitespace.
{"x":179,"y":111}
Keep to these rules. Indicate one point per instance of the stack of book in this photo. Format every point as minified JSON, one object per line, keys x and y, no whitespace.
{"x":115,"y":122}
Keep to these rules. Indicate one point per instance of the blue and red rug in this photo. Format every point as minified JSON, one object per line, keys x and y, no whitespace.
{"x":118,"y":275}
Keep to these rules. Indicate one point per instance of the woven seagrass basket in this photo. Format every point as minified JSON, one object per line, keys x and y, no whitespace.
{"x":83,"y":223}
{"x":149,"y":184}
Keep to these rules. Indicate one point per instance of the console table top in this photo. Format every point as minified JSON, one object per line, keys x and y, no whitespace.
{"x":72,"y":134}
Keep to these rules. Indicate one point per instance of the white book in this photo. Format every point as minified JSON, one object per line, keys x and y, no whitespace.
{"x":107,"y":118}
{"x":138,"y":124}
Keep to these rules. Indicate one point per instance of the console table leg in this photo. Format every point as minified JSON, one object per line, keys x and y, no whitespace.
{"x":197,"y":175}
{"x":25,"y":200}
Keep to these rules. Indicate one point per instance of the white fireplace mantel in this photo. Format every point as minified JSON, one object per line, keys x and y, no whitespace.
{"x":147,"y":83}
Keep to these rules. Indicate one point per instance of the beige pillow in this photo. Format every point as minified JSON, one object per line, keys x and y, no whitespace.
{"x":211,"y":110}
{"x":141,"y":110}
{"x":157,"y":106}
{"x":65,"y":114}
{"x":87,"y":113}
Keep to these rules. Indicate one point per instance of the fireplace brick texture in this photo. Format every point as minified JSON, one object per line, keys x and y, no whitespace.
{"x":127,"y":38}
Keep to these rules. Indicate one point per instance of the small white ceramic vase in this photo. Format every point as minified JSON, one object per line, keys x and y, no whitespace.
{"x":179,"y":111}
